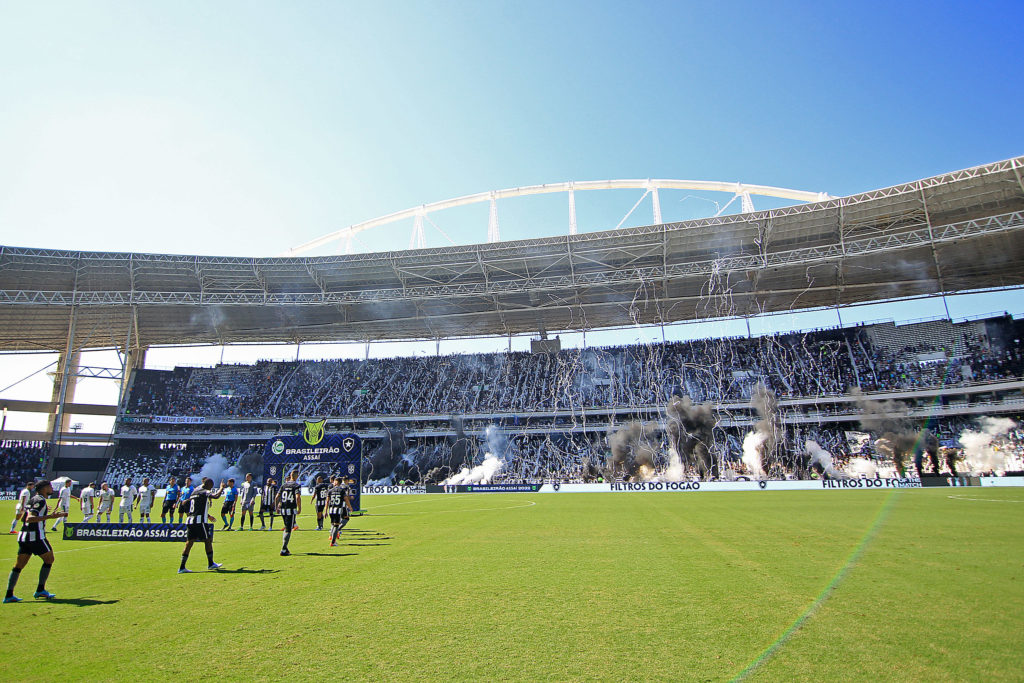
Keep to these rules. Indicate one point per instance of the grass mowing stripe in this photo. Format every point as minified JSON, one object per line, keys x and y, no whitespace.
{"x":851,"y":560}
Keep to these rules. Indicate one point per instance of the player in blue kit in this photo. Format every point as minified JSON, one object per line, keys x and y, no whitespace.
{"x":171,"y":496}
{"x":228,"y":508}
{"x":186,"y":493}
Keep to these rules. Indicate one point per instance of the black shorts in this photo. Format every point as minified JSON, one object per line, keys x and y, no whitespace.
{"x":336,"y":517}
{"x":227,"y":508}
{"x":267,"y":508}
{"x":200,"y":532}
{"x":320,"y":510}
{"x":169,"y":506}
{"x":289,"y":517}
{"x":40,"y":547}
{"x":182,"y":507}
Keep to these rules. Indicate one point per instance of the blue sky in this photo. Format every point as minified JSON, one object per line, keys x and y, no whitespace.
{"x":245,"y":128}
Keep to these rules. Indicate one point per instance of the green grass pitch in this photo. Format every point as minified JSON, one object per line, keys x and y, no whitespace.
{"x":916,"y":585}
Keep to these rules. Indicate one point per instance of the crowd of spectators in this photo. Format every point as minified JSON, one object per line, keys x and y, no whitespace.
{"x":137,"y":460}
{"x":716,"y":370}
{"x":21,"y":461}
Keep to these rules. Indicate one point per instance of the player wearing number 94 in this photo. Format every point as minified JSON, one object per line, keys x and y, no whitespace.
{"x":289,"y":504}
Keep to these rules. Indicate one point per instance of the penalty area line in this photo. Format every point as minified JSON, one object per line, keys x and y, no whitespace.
{"x":826,"y":592}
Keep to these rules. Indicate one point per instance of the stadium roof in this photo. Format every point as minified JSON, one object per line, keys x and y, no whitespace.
{"x":954,"y":232}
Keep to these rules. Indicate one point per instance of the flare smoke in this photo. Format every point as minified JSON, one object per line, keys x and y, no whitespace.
{"x":980,"y":446}
{"x":632,"y":451}
{"x":761,"y":446}
{"x":690,"y":430}
{"x":821,"y":460}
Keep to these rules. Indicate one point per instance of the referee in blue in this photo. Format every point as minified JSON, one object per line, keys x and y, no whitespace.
{"x":171,"y":496}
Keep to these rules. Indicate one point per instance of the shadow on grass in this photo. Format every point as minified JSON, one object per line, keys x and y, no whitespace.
{"x":243,"y":570}
{"x":328,"y":554}
{"x":77,"y":602}
{"x":364,"y":544}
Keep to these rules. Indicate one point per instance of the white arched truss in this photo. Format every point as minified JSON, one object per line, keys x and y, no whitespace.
{"x":742,"y":191}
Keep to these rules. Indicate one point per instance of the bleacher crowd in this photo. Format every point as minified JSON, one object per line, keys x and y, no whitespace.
{"x":822,"y":363}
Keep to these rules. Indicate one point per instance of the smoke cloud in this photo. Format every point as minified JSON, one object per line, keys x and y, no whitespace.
{"x":821,"y":460}
{"x":217,"y":468}
{"x":632,"y":451}
{"x":761,"y":446}
{"x":690,"y":430}
{"x":483,"y":473}
{"x":752,"y":443}
{"x":982,"y":452}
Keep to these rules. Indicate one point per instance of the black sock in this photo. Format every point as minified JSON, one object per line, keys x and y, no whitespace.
{"x":12,"y":581}
{"x":44,"y":573}
{"x":184,"y":559}
{"x":209,"y":555}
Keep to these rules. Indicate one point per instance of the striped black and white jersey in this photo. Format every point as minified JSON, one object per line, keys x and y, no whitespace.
{"x":290,"y":492}
{"x":34,"y":531}
{"x":336,"y":499}
{"x":198,"y":506}
{"x":268,"y":494}
{"x":320,"y":494}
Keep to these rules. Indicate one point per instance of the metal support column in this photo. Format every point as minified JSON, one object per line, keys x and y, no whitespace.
{"x":65,"y":372}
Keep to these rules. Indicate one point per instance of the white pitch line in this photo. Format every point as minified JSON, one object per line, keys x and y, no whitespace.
{"x":988,"y":500}
{"x":69,"y":550}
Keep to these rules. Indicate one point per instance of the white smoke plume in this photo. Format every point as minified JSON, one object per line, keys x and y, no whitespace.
{"x":819,"y":456}
{"x":752,"y":443}
{"x":483,"y":473}
{"x":676,"y":471}
{"x":981,"y":448}
{"x":216,"y":467}
{"x":862,"y":467}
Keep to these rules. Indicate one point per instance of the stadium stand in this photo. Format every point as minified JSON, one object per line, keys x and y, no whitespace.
{"x":21,"y":461}
{"x":823,"y":363}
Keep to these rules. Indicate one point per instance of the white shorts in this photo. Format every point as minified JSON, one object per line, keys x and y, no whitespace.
{"x":104,"y":508}
{"x":144,"y":509}
{"x":87,"y":509}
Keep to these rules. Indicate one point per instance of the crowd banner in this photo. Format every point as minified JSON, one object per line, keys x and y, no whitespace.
{"x":378,"y":490}
{"x":686,"y":486}
{"x":178,"y":419}
{"x":1002,"y":481}
{"x":127,"y":532}
{"x":485,"y":488}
